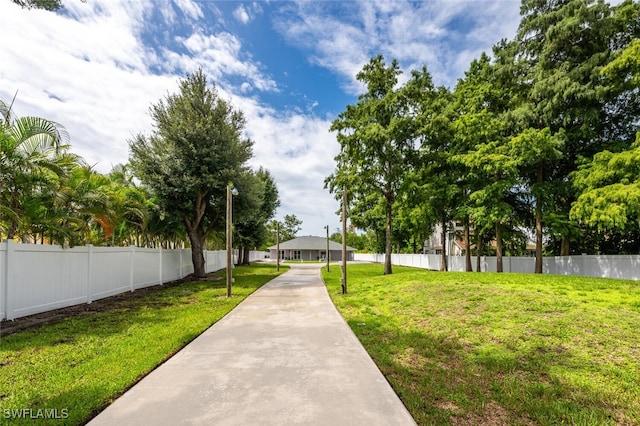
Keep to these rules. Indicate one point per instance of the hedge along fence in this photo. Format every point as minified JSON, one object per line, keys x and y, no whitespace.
{"x":604,"y":266}
{"x":38,"y":278}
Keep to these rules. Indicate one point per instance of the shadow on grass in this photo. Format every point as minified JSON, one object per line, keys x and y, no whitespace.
{"x":442,"y":380}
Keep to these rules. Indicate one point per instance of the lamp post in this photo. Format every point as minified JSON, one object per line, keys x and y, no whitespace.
{"x":344,"y":241}
{"x":278,"y":246}
{"x":231,"y":191}
{"x":328,"y":256}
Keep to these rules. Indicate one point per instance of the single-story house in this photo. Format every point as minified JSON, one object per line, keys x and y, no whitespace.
{"x":310,"y":248}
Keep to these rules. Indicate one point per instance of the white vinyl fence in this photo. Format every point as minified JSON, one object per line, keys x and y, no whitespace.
{"x":37,"y":278}
{"x":618,"y":266}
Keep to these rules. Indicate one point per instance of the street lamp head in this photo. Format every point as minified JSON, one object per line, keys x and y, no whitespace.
{"x":234,"y":191}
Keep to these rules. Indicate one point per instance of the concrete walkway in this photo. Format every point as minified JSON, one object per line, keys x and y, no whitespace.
{"x":283,"y":356}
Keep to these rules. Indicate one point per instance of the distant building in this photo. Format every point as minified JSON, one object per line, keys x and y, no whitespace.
{"x":310,"y":248}
{"x":456,"y":245}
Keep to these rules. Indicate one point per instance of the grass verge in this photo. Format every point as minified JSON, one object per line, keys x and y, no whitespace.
{"x":468,"y":348}
{"x":76,"y":367}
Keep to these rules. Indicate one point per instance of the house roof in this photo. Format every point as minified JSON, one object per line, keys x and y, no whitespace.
{"x":310,"y":243}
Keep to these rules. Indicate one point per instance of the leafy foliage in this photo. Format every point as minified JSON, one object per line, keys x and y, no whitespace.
{"x":195,"y":151}
{"x":610,"y":186}
{"x":376,"y":139}
{"x":288,"y":228}
{"x":40,"y":4}
{"x":546,"y":124}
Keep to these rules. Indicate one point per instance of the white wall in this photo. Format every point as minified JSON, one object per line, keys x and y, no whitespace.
{"x":620,"y":266}
{"x":37,"y":278}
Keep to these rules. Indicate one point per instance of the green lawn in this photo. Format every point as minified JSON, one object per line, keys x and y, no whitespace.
{"x":81,"y":364}
{"x":469,"y":348}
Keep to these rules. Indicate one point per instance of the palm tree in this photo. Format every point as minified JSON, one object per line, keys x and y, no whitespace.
{"x":30,"y":152}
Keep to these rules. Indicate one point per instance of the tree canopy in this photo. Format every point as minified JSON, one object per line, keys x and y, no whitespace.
{"x":537,"y":139}
{"x":194,"y":152}
{"x":374,"y":140}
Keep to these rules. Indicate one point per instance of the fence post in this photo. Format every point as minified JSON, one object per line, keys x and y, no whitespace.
{"x":3,"y":287}
{"x":132,"y":256}
{"x":89,"y":272}
{"x":180,"y":274}
{"x":160,"y":265}
{"x":9,"y":280}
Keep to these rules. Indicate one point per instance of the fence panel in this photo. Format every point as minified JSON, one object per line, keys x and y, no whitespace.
{"x":187,"y":262}
{"x":604,"y":266}
{"x":37,"y":278}
{"x":171,"y":265}
{"x":146,"y":267}
{"x":3,"y":280}
{"x":43,"y":278}
{"x":256,"y":256}
{"x":110,"y":272}
{"x":523,"y":264}
{"x":216,"y":260}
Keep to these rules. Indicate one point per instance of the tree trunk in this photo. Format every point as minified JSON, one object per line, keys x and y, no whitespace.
{"x":478,"y":251}
{"x":197,"y":255}
{"x":467,"y":242}
{"x":498,"y":247}
{"x":245,"y":256}
{"x":387,"y":243}
{"x":538,"y":267}
{"x":194,"y":231}
{"x":443,"y":261}
{"x":565,"y":246}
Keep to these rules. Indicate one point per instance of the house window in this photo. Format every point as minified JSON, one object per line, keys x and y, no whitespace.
{"x":282,"y":254}
{"x":297,"y":255}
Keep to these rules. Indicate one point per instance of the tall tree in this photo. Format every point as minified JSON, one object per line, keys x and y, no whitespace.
{"x":257,"y":203}
{"x":432,"y":182}
{"x":482,"y":150}
{"x":289,"y":228}
{"x":609,"y":185}
{"x":374,"y":142}
{"x":565,"y":103}
{"x":194,"y":152}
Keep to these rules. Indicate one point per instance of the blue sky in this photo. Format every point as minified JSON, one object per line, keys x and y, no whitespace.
{"x":96,"y":67}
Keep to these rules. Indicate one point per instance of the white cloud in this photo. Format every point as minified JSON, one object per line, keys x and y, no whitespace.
{"x":241,"y":14}
{"x":414,"y":33}
{"x":189,"y":8}
{"x":219,"y":55}
{"x":299,"y":152}
{"x":89,"y":74}
{"x":89,"y":70}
